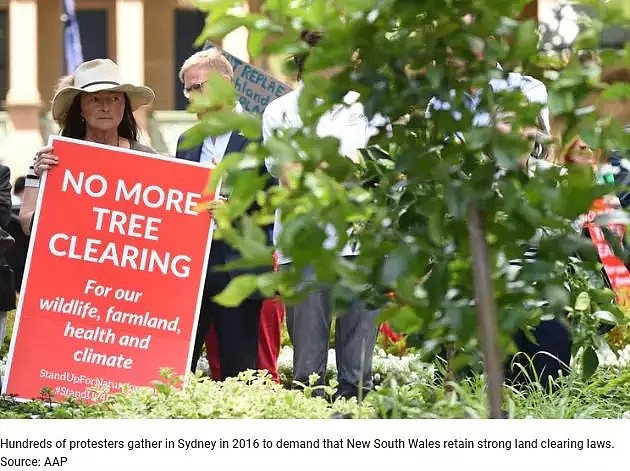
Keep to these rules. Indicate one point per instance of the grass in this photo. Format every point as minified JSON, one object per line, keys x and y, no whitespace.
{"x":4,"y":343}
{"x":605,"y":395}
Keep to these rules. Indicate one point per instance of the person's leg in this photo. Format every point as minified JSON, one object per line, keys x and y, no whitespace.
{"x":212,"y":353}
{"x":308,"y":323}
{"x":544,"y":359}
{"x":203,"y":325}
{"x":271,"y":317}
{"x":355,"y":338}
{"x":214,"y":283}
{"x":237,"y":332}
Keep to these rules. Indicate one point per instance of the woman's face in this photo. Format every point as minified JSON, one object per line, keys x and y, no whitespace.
{"x":581,"y":154}
{"x":103,"y":110}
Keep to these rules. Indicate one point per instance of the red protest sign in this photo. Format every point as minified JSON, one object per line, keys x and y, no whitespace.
{"x":114,"y":273}
{"x":616,"y":271}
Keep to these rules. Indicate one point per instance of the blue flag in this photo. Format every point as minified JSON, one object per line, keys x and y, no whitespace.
{"x":71,"y":37}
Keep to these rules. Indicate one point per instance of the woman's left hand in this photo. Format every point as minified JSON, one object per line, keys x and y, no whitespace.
{"x":44,"y":160}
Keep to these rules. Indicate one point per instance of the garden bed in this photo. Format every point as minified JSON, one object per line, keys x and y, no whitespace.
{"x":407,"y":388}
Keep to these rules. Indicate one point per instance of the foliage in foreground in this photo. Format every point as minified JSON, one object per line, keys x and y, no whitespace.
{"x":410,"y":199}
{"x":250,"y":396}
{"x":605,"y":395}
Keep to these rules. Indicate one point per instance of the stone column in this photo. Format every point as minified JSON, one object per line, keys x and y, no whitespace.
{"x":23,"y":100}
{"x":130,"y":49}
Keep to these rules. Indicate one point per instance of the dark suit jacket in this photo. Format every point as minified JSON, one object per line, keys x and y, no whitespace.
{"x":5,"y":196}
{"x":7,"y":280}
{"x":15,"y":256}
{"x":220,"y":252}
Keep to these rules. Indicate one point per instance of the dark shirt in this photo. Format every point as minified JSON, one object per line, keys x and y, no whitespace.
{"x":5,"y":196}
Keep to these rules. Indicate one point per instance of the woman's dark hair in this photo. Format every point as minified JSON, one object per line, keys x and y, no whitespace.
{"x":74,"y":125}
{"x":311,"y":38}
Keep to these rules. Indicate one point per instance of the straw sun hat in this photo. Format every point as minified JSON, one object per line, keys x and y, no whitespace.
{"x":94,"y":76}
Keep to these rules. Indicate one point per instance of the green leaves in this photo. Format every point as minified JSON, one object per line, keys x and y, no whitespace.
{"x":561,"y":102}
{"x":408,"y":197}
{"x":238,"y":289}
{"x":583,"y":302}
{"x":220,"y":27}
{"x":395,"y":265}
{"x":616,"y":92}
{"x":218,"y":93}
{"x":220,"y":122}
{"x":590,"y":362}
{"x":525,"y":40}
{"x":248,"y":238}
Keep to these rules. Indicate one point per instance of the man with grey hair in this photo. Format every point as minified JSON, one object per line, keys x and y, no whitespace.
{"x":194,"y":71}
{"x":236,"y":327}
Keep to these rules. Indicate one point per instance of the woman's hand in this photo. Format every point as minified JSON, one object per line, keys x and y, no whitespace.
{"x":44,"y":160}
{"x":213,"y":205}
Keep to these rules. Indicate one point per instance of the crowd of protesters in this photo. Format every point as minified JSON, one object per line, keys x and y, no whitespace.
{"x":95,"y":104}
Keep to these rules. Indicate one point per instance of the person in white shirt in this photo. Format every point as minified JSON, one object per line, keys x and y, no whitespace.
{"x":309,"y":322}
{"x":533,"y":90}
{"x":236,"y":327}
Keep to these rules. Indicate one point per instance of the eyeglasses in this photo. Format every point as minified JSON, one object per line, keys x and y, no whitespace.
{"x":195,"y":87}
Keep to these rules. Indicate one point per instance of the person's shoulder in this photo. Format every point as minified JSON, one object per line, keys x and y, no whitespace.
{"x":181,"y":137}
{"x":529,"y":83}
{"x":534,"y":89}
{"x":282,"y":103}
{"x":135,"y":145}
{"x":283,"y":112}
{"x":241,"y":139}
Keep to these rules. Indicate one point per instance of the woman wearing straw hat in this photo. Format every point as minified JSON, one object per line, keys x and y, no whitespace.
{"x":92,"y":104}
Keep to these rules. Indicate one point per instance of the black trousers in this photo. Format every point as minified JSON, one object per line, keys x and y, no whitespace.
{"x":539,"y":361}
{"x":543,"y":359}
{"x":237,"y":334}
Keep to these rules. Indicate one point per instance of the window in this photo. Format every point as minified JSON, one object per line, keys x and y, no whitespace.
{"x":94,"y":33}
{"x":93,"y":28}
{"x":188,"y":25}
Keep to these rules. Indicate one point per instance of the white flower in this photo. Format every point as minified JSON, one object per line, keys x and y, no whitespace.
{"x":609,"y":358}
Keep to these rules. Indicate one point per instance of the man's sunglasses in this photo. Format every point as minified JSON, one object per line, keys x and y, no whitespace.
{"x":195,"y":87}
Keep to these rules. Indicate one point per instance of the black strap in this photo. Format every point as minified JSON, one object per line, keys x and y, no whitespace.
{"x":116,"y":84}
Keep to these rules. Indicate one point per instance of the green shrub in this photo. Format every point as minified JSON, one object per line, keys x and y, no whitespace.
{"x":249,"y":396}
{"x":408,"y":390}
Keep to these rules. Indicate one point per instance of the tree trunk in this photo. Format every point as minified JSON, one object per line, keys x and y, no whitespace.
{"x":486,"y":309}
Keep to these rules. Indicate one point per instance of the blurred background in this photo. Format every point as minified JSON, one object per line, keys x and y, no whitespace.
{"x":150,"y":39}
